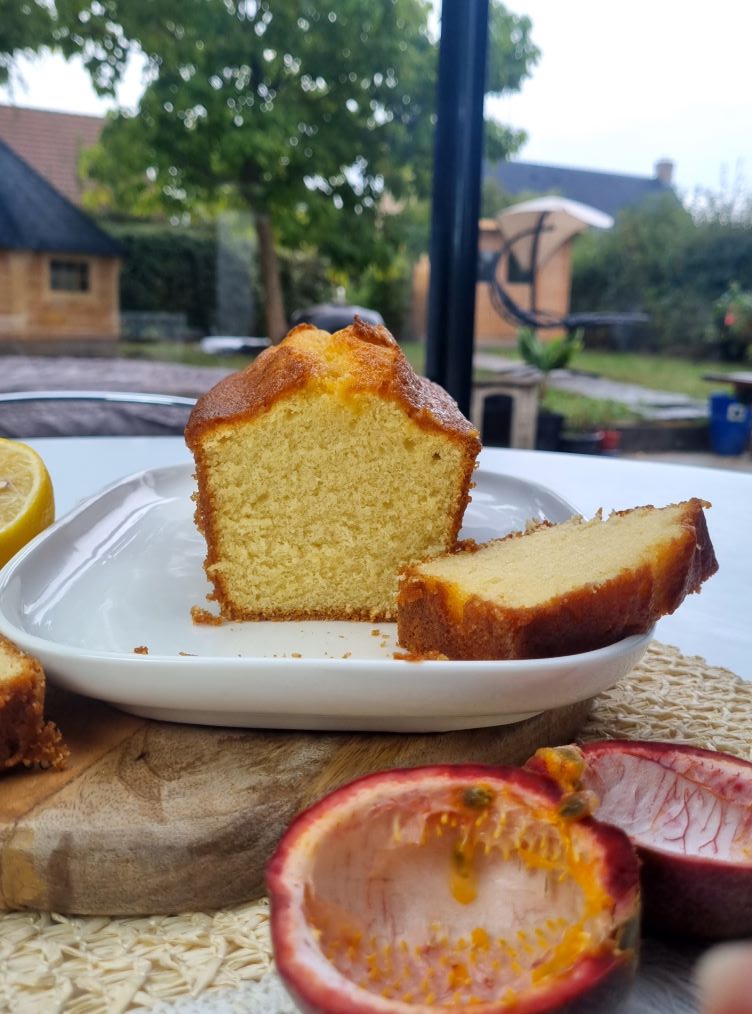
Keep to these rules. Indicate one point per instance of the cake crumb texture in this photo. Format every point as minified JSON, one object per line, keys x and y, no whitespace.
{"x":323,"y":470}
{"x":557,"y":589}
{"x":25,"y":737}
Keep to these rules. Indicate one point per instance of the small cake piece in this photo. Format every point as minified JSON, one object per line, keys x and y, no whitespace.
{"x":557,"y":589}
{"x":324,"y":469}
{"x":25,"y":737}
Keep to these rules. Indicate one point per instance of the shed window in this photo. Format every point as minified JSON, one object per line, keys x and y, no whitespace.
{"x":69,"y":276}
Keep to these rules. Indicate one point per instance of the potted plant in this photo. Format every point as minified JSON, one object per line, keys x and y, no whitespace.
{"x":733,"y":317}
{"x":546,"y":356}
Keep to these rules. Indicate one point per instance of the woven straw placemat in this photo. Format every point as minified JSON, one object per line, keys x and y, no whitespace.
{"x":88,"y":965}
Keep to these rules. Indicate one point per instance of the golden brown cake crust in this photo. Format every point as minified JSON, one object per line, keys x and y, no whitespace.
{"x":25,"y":737}
{"x":374,"y":364}
{"x":629,"y":603}
{"x":377,"y":364}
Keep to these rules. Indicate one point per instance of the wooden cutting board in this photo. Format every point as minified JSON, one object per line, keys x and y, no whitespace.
{"x":153,"y":817}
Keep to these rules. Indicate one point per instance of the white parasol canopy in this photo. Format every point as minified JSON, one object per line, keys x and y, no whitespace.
{"x":538,"y":228}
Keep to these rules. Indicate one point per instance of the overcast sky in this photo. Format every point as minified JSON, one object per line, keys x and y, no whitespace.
{"x":618,"y":87}
{"x":621,"y":85}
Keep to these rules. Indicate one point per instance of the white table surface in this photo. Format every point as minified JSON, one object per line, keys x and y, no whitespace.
{"x":716,"y":624}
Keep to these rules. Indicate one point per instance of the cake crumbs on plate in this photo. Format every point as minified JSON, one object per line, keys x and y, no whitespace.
{"x":141,"y":650}
{"x":201,"y":615}
{"x":375,"y":632}
{"x":414,"y":656}
{"x":295,"y":654}
{"x":348,"y":654}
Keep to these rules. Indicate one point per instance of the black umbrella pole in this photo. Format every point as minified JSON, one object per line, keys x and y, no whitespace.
{"x":458,"y":154}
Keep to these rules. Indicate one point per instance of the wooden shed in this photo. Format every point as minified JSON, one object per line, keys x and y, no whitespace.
{"x":58,"y":270}
{"x":553,"y":283}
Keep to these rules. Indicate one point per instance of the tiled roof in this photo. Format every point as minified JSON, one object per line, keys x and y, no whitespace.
{"x":609,"y":192}
{"x":36,"y":216}
{"x":51,"y":143}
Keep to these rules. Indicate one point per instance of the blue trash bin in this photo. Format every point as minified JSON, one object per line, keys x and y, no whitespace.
{"x":730,"y":424}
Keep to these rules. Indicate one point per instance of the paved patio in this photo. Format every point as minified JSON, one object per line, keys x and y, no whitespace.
{"x":656,"y":406}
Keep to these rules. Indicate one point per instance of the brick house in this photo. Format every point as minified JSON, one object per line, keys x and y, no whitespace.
{"x":58,"y":270}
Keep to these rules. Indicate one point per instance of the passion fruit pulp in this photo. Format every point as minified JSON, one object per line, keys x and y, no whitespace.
{"x":688,"y":812}
{"x":452,"y":888}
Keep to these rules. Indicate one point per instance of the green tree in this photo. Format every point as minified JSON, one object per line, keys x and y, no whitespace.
{"x":306,"y":112}
{"x":511,"y":58}
{"x":24,"y":28}
{"x":637,"y":265}
{"x":672,"y":262}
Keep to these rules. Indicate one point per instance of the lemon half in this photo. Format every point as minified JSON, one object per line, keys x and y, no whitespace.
{"x":27,"y":503}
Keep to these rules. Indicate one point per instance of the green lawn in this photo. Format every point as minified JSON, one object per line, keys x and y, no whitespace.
{"x":582,"y":413}
{"x":662,"y":373}
{"x":179,"y":352}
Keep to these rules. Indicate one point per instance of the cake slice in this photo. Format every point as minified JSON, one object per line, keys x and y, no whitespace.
{"x":25,"y":737}
{"x":324,"y":469}
{"x":557,"y":589}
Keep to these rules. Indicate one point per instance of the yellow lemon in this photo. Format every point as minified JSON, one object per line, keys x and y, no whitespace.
{"x":27,"y":504}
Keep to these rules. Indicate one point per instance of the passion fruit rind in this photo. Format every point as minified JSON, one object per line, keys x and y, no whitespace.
{"x":452,"y":888}
{"x":688,"y":812}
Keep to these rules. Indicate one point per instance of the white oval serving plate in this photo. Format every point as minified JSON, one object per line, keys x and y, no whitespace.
{"x":124,"y":568}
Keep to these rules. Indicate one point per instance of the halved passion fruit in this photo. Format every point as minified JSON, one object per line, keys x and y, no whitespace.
{"x":688,"y":812}
{"x":457,"y":888}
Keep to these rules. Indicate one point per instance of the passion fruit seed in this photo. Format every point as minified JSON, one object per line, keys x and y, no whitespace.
{"x":477,"y":797}
{"x":454,"y":968}
{"x":576,"y":805}
{"x":565,"y":764}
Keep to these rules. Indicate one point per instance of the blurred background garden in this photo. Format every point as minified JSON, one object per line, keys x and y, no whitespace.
{"x":273,"y":157}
